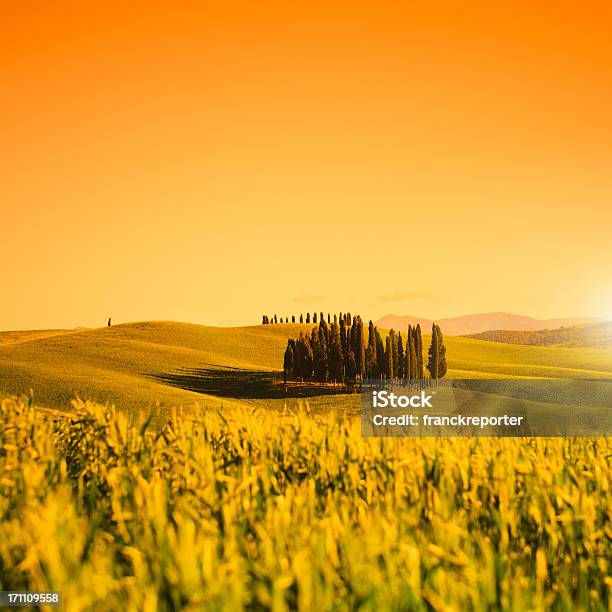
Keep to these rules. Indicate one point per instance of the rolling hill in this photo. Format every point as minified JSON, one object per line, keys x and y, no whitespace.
{"x":593,"y":334}
{"x":126,"y":364}
{"x":476,"y":323}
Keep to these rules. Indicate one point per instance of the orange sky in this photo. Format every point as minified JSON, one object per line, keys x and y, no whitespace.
{"x":210,"y":161}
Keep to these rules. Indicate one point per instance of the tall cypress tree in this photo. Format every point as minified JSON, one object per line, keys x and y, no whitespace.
{"x":308,"y":359}
{"x":360,"y":354}
{"x":288,"y":360}
{"x":301,"y":318}
{"x":400,"y":355}
{"x":307,"y":317}
{"x":394,"y":351}
{"x":323,"y":326}
{"x":418,"y":346}
{"x":302,"y":358}
{"x":371,"y":351}
{"x":293,"y":318}
{"x":415,"y":356}
{"x":335,"y":354}
{"x":433,"y":361}
{"x":298,"y":357}
{"x":314,"y":317}
{"x":442,"y":351}
{"x":380,"y":356}
{"x":321,"y":357}
{"x":408,"y":365}
{"x":344,"y":345}
{"x":351,"y":367}
{"x":443,"y":369}
{"x":389,"y":357}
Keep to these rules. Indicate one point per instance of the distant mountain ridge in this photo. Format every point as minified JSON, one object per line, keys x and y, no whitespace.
{"x":477,"y":323}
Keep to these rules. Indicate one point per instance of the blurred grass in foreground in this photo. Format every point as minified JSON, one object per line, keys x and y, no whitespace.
{"x":257,"y":510}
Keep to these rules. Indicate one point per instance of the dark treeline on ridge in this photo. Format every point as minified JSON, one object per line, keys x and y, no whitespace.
{"x":307,"y":318}
{"x":340,"y":350}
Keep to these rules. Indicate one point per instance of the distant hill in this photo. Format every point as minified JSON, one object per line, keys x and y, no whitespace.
{"x":476,"y":323}
{"x":593,"y":334}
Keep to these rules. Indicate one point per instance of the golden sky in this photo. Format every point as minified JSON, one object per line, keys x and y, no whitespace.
{"x":210,"y":161}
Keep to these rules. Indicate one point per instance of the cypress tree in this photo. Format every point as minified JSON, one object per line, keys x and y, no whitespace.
{"x":370,"y":361}
{"x":371,"y":351}
{"x":288,"y":361}
{"x":328,"y":318}
{"x":299,"y":358}
{"x":293,"y":318}
{"x":400,"y":355}
{"x":351,"y":367}
{"x":433,"y":361}
{"x":344,"y":346}
{"x":275,"y":321}
{"x":301,"y":318}
{"x":307,"y":317}
{"x":321,"y":357}
{"x":394,"y":352}
{"x":418,"y":347}
{"x":380,"y":356}
{"x":408,"y":357}
{"x":388,"y":358}
{"x":335,"y":354}
{"x":442,"y":369}
{"x":308,"y":359}
{"x":358,"y":345}
{"x":314,"y":317}
{"x":414,"y":356}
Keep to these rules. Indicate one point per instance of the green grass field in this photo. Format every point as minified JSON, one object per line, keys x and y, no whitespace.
{"x":118,"y":364}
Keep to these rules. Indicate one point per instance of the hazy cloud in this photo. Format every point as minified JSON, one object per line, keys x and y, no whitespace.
{"x":400,"y":296}
{"x":306,"y":298}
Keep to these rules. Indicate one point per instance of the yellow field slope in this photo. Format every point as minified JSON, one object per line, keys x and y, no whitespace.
{"x":118,"y":364}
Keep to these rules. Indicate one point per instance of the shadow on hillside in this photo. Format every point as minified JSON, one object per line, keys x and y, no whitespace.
{"x":243,"y":384}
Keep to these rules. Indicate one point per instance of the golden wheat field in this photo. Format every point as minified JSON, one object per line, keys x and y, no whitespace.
{"x":256,"y":510}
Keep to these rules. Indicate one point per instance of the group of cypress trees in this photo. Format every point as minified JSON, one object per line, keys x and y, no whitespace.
{"x":266,"y":320}
{"x":332,"y":352}
{"x":397,"y":361}
{"x":339,"y":352}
